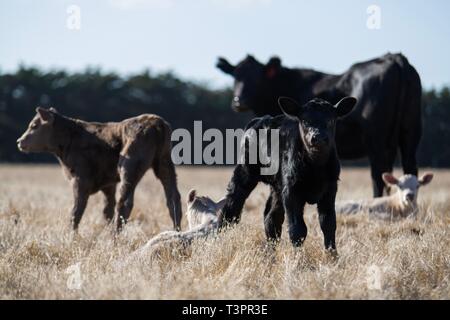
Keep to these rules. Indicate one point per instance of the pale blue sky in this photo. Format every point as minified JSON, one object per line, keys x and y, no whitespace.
{"x":187,"y":35}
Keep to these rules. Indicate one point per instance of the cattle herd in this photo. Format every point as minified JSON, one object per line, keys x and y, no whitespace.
{"x":373,"y":110}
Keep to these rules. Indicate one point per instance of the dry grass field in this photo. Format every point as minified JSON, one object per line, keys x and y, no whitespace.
{"x":377,"y":259}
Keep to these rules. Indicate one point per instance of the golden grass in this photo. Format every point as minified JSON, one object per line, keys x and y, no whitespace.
{"x":377,"y":259}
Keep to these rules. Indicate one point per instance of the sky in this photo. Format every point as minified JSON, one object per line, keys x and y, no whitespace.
{"x":187,"y":36}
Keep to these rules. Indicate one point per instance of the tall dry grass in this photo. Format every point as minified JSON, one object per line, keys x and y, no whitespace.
{"x":377,"y":259}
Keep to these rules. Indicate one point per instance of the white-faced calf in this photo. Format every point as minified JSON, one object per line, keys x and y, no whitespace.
{"x":202,"y":215}
{"x":400,"y":204}
{"x":98,"y":156}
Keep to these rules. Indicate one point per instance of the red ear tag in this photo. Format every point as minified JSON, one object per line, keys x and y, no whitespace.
{"x":271,"y":72}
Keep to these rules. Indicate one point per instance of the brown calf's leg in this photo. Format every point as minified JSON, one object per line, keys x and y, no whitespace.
{"x":130,"y":173}
{"x":110,"y":202}
{"x":81,"y":196}
{"x":165,"y":172}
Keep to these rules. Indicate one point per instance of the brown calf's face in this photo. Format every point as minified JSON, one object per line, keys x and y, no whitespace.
{"x":407,"y":186}
{"x":38,"y":136}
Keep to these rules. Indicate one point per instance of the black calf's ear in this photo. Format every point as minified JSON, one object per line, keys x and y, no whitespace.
{"x":289,"y":106}
{"x":225,"y":66}
{"x":46,"y":115}
{"x":345,"y":106}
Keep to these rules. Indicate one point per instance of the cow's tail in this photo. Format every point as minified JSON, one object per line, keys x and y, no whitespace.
{"x":409,"y":113}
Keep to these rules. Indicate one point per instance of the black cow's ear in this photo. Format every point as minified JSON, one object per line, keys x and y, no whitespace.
{"x":289,"y":106}
{"x":225,"y":66}
{"x":46,"y":115}
{"x":273,"y":67}
{"x":250,"y":58}
{"x":345,"y":106}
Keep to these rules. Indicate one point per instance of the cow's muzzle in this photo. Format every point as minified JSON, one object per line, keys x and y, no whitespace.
{"x":20,"y":145}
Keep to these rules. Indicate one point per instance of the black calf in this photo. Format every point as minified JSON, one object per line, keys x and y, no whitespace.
{"x":308,"y":170}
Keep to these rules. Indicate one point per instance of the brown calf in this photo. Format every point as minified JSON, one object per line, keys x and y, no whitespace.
{"x":97,"y":156}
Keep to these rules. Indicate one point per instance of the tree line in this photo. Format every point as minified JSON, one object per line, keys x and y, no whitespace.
{"x":94,"y":95}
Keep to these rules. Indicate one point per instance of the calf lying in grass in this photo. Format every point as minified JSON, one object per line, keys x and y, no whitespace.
{"x":401,"y":204}
{"x":202,"y":219}
{"x":202,"y":215}
{"x":98,"y":156}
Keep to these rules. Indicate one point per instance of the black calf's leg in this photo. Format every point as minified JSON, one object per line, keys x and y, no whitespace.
{"x":241,"y":185}
{"x":110,"y":202}
{"x":273,"y":217}
{"x":327,"y":218}
{"x":294,"y":212}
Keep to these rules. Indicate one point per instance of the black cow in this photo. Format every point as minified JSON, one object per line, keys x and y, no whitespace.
{"x":308,"y":170}
{"x":386,"y":118}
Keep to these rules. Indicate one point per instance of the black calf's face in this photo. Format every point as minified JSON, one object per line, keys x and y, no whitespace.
{"x":249,"y":76}
{"x":317,"y":123}
{"x":38,"y":136}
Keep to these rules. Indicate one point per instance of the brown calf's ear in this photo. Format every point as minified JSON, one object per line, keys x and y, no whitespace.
{"x":389,"y":179}
{"x":225,"y":66}
{"x":426,"y":179}
{"x":289,"y":106}
{"x":46,"y":115}
{"x":191,"y":196}
{"x":345,"y":106}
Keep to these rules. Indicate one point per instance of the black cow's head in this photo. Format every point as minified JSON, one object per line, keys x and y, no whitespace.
{"x":317,"y":123}
{"x":250,"y":77}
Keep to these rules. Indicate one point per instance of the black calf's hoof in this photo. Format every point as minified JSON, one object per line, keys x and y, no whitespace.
{"x":332,"y":253}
